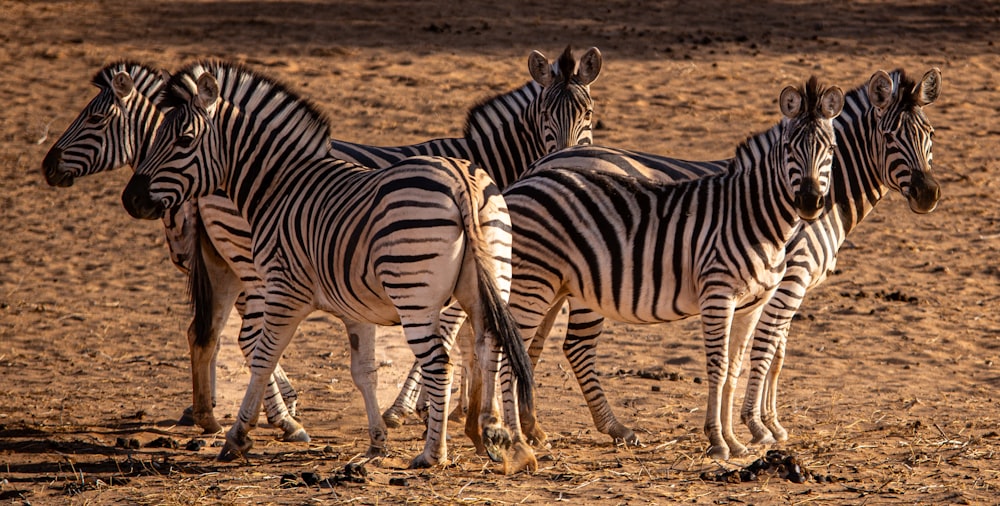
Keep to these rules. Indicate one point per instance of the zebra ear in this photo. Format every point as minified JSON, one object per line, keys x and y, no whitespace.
{"x":590,"y":66}
{"x":790,"y":102}
{"x":539,"y":68}
{"x":208,"y":91}
{"x":122,"y":85}
{"x":832,"y":102}
{"x":929,"y":87}
{"x":880,"y":89}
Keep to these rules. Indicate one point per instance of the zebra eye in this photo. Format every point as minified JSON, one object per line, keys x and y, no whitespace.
{"x":588,"y":115}
{"x":95,"y":119}
{"x":184,"y":141}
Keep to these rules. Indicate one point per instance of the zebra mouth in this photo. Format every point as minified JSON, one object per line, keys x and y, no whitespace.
{"x":138,"y":202}
{"x":923,"y":194}
{"x":55,"y":174}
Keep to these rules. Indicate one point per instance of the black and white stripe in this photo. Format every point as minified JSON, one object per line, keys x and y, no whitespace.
{"x":373,"y":247}
{"x":884,"y":143}
{"x":116,"y":129}
{"x":644,"y":252}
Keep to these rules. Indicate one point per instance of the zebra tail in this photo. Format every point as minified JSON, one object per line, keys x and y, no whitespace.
{"x":200,"y":292}
{"x":498,"y":318}
{"x":502,"y":323}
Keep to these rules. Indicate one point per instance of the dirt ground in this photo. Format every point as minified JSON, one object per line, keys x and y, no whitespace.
{"x":891,"y":383}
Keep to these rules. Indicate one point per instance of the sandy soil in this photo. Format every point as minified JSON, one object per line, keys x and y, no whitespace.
{"x":890,"y":386}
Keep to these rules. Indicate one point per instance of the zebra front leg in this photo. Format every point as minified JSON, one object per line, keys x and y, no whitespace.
{"x":770,"y":334}
{"x":740,"y":334}
{"x":771,"y":393}
{"x":263,"y":359}
{"x":716,"y":318}
{"x":364,"y":372}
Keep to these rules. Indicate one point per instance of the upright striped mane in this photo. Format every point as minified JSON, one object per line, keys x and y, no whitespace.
{"x":241,"y":85}
{"x":148,"y":79}
{"x":909,"y":97}
{"x":811,"y":92}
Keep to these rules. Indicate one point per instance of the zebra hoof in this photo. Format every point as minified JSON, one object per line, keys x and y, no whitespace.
{"x":297,"y":436}
{"x":719,"y":452}
{"x":623,"y":435}
{"x":376,"y":452}
{"x":231,"y":452}
{"x":496,"y":441}
{"x":763,"y":439}
{"x":522,"y":459}
{"x":423,"y":462}
{"x":393,"y":419}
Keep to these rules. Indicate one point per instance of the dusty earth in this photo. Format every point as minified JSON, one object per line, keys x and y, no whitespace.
{"x":890,"y":388}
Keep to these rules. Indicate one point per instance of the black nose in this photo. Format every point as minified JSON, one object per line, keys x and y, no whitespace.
{"x":53,"y":171}
{"x":809,"y":201}
{"x":924,"y":193}
{"x":137,"y":200}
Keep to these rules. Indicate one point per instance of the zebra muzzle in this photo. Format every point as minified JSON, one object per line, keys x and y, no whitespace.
{"x":52,"y":167}
{"x":137,"y":200}
{"x":809,"y":202}
{"x":924,"y":193}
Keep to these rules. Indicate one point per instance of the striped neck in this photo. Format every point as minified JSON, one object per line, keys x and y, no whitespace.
{"x":503,"y":133}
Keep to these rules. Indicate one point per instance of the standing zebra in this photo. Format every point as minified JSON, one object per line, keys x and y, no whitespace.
{"x":373,"y":247}
{"x":644,"y":252}
{"x":883,"y":143}
{"x":115,"y":129}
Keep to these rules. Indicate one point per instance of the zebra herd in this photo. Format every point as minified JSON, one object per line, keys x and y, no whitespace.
{"x":266,"y":211}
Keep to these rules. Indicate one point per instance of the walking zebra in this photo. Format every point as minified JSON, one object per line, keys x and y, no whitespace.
{"x":883,"y":143}
{"x":115,"y":129}
{"x":644,"y":252}
{"x":556,"y":105}
{"x":373,"y":247}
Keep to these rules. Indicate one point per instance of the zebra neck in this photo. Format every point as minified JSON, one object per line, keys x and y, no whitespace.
{"x":855,"y":183}
{"x":760,"y":206}
{"x":146,"y":118}
{"x":502,"y":134}
{"x":272,"y":156}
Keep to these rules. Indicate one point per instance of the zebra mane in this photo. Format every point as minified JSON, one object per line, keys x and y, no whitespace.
{"x":236,"y":80}
{"x":909,"y":97}
{"x":565,"y":68}
{"x":811,"y":93}
{"x":148,"y":79}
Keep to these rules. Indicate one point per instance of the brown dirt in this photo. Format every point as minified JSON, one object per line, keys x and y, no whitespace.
{"x":891,"y":382}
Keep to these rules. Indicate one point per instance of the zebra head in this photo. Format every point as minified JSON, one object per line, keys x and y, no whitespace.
{"x":564,"y":110}
{"x":114,"y":127}
{"x":810,"y":143}
{"x":903,"y":134}
{"x":183,"y":160}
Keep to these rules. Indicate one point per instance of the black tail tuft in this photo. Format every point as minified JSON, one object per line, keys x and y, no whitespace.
{"x":200,"y":286}
{"x":500,"y":321}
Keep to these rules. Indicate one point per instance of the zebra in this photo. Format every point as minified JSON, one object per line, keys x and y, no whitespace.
{"x":503,"y":135}
{"x":640,"y":251}
{"x":884,"y":143}
{"x":116,"y":129}
{"x":556,"y":105}
{"x":373,"y":247}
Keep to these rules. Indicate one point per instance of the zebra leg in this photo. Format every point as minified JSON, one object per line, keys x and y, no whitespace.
{"x":277,"y":412}
{"x":364,"y":372}
{"x":740,"y":335}
{"x":771,"y":390}
{"x":281,"y":319}
{"x":716,"y":321}
{"x":406,"y":401}
{"x":580,"y":348}
{"x":214,"y":288}
{"x":529,"y":422}
{"x":769,"y":336}
{"x":436,"y":375}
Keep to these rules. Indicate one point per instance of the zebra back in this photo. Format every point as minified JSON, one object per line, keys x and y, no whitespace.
{"x":506,"y":133}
